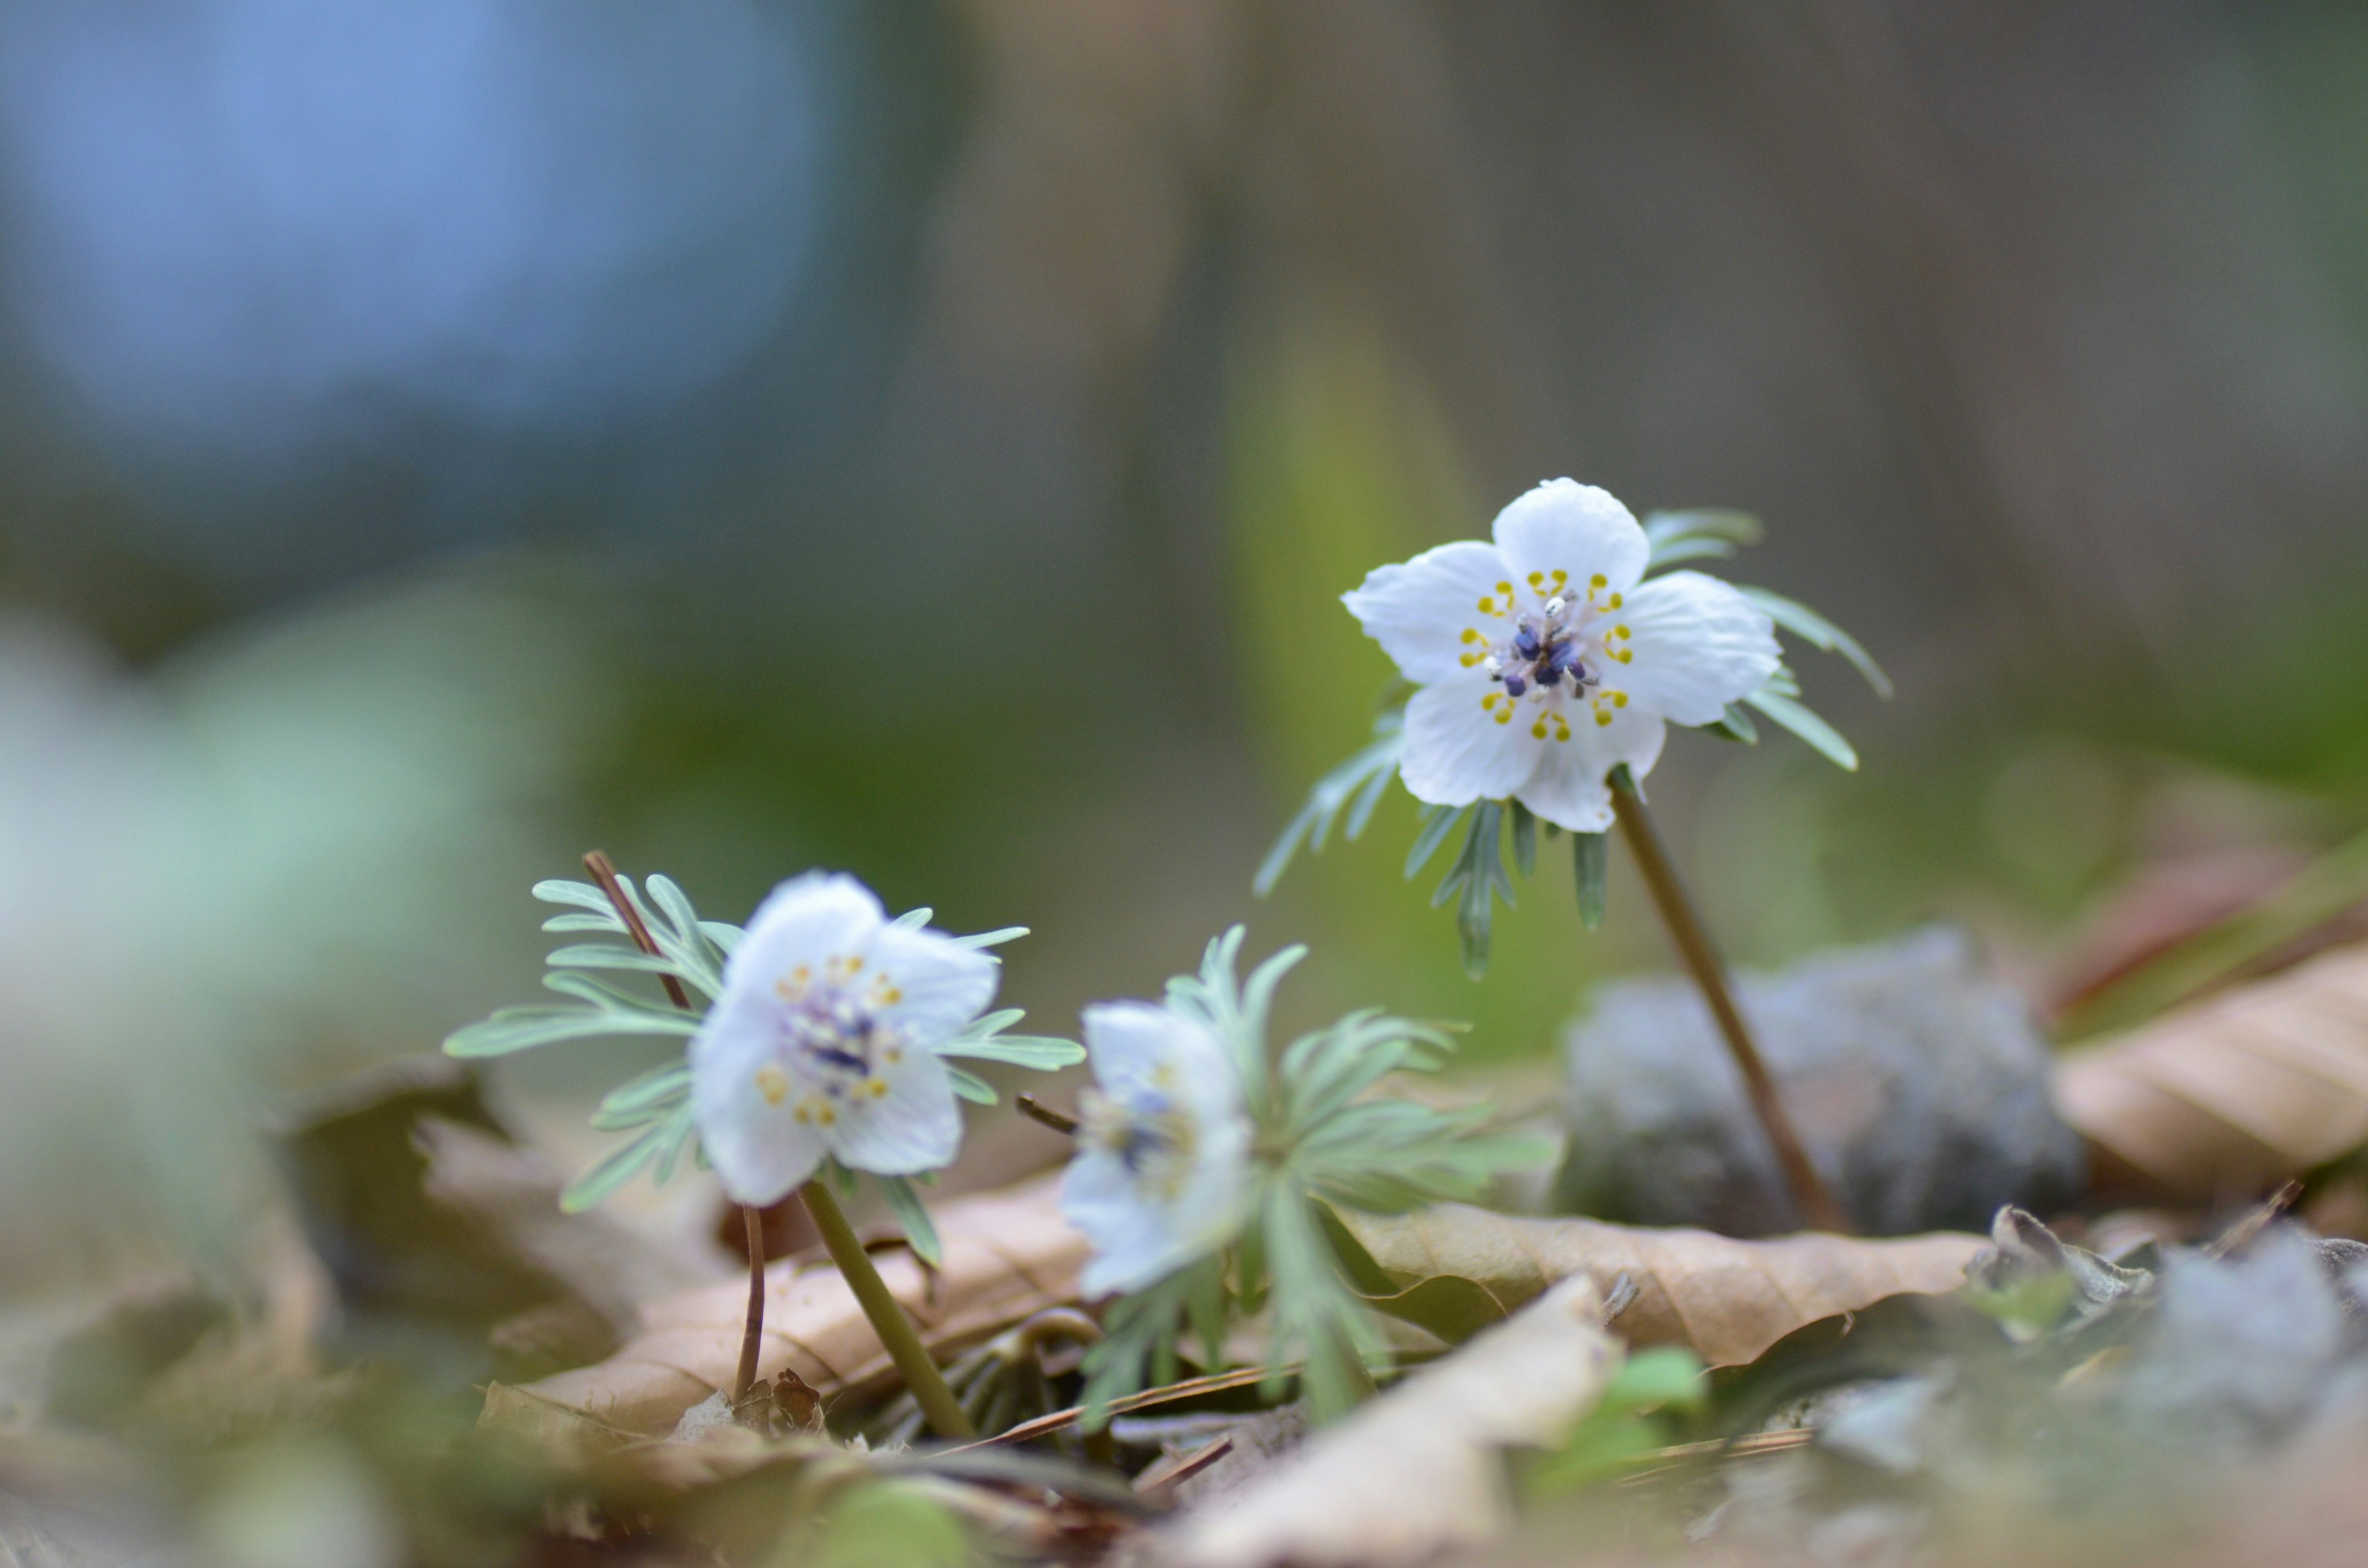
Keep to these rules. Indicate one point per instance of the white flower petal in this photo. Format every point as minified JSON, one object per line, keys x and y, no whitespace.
{"x":1133,"y":1242}
{"x":1456,"y":751}
{"x":1137,"y":1047}
{"x":750,"y":1136}
{"x":804,"y":921}
{"x":1564,"y":526}
{"x":916,"y":1125}
{"x":939,"y":984}
{"x":1699,"y":645}
{"x":1569,"y":787}
{"x":1418,"y":610}
{"x":1136,"y":1237}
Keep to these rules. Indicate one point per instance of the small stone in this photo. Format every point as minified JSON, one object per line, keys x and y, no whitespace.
{"x":1919,"y":1085}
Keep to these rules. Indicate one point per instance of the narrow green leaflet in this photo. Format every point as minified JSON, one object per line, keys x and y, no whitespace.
{"x":1819,"y":633}
{"x":913,"y":1219}
{"x":1437,"y":822}
{"x":523,"y":1029}
{"x":1356,"y":785}
{"x":971,"y":1088}
{"x":1591,"y":870}
{"x":660,"y":1144}
{"x":1788,"y":711}
{"x":1705,"y":533}
{"x":984,"y":1040}
{"x":1477,"y":878}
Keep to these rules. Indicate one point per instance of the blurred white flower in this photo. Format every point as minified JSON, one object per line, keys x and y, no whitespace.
{"x":1545,"y":660}
{"x":824,"y":1042}
{"x":1162,"y":1173}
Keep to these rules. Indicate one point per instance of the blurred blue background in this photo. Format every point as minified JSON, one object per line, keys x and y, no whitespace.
{"x":929,"y":441}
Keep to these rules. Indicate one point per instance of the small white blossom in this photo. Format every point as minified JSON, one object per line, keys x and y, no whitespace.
{"x":1545,"y":660}
{"x":1162,"y":1171}
{"x":823,"y":1042}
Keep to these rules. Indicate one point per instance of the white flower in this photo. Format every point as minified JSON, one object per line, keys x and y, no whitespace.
{"x":824,"y":1042}
{"x":1162,"y":1170}
{"x":1544,"y":663}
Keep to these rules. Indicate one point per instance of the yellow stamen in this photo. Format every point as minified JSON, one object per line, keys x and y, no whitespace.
{"x":773,"y":1084}
{"x":1601,"y":717}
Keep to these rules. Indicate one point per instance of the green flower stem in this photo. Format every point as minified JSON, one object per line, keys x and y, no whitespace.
{"x":914,"y":1362}
{"x":1812,"y":1199}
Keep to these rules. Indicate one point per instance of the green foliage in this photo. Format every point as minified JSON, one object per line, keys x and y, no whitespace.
{"x":656,"y":1106}
{"x":1631,"y":1421}
{"x":1321,"y":1137}
{"x":1356,"y":785}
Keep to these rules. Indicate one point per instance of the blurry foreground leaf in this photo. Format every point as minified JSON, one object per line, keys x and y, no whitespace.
{"x":2258,"y":1084}
{"x":1726,"y":1300}
{"x":1420,"y":1469}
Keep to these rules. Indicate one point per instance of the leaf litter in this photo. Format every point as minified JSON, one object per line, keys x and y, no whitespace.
{"x":2043,"y":1394}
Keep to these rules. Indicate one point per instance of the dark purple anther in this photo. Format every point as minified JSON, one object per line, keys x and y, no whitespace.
{"x":1525,"y":643}
{"x":1514,"y":686}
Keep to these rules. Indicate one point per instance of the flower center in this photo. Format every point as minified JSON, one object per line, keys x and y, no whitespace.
{"x":1151,"y":1134}
{"x":831,"y":1036}
{"x":1550,"y":645}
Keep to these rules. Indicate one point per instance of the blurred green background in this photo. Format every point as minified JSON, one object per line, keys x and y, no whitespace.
{"x":929,"y":441}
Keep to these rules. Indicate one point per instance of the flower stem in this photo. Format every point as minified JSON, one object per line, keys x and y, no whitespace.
{"x":913,"y":1363}
{"x":1812,"y":1199}
{"x":751,"y":1336}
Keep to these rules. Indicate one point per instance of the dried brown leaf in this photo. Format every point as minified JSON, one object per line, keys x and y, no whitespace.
{"x":2260,"y":1083}
{"x":1418,"y":1470}
{"x":1008,"y":1255}
{"x":1727,"y":1299}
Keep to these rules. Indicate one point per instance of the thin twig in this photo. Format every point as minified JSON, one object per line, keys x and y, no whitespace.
{"x":1036,"y":1109}
{"x":604,"y":872}
{"x":1813,"y":1200}
{"x":2248,"y":1230}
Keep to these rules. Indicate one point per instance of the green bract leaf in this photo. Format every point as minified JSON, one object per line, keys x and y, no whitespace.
{"x":1788,"y":711}
{"x":913,"y":1219}
{"x":971,"y":1087}
{"x":1672,"y":537}
{"x":523,"y":1029}
{"x":1438,"y":822}
{"x":1590,"y":859}
{"x":1476,"y":880}
{"x":1361,"y":779}
{"x":1818,"y":632}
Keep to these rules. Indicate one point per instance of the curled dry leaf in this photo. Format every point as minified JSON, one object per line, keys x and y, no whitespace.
{"x":1008,"y":1255}
{"x":1418,"y":1470}
{"x":2232,"y":1096}
{"x":1726,"y":1300}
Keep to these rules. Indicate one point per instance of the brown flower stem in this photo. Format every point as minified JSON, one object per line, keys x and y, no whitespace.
{"x":913,"y":1363}
{"x":1812,"y":1199}
{"x":604,"y":872}
{"x":752,"y":1335}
